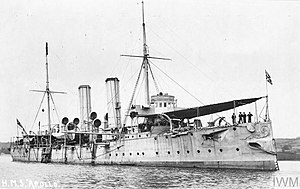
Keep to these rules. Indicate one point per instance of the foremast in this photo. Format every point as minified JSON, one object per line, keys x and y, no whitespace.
{"x":48,"y":90}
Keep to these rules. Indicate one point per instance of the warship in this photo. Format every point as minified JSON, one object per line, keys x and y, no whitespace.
{"x":157,"y":133}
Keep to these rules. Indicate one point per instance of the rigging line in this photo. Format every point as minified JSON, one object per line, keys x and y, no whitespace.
{"x":187,"y":59}
{"x":136,"y":42}
{"x":123,"y":86}
{"x":125,"y":70}
{"x":141,"y":85}
{"x":38,"y":110}
{"x":159,"y":85}
{"x":262,"y":111}
{"x":182,"y":56}
{"x":137,"y":39}
{"x":156,"y":86}
{"x":177,"y":36}
{"x":132,"y":97}
{"x":132,"y":50}
{"x":54,"y":107}
{"x":126,"y":83}
{"x":52,"y":119}
{"x":177,"y":83}
{"x":39,"y":85}
{"x":116,"y":65}
{"x":160,"y":78}
{"x":158,"y":53}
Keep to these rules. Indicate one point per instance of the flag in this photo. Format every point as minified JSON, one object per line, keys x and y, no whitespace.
{"x":268,"y":77}
{"x":46,"y":49}
{"x":20,"y":125}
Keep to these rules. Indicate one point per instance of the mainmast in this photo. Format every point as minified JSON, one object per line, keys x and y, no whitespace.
{"x":47,"y":88}
{"x":145,"y":60}
{"x":146,"y":57}
{"x":145,"y":66}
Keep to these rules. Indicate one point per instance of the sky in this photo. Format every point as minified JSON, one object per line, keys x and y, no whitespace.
{"x":219,"y":50}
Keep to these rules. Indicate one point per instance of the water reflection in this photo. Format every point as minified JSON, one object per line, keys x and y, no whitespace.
{"x":86,"y":176}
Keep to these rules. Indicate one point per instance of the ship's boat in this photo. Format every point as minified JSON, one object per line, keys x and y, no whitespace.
{"x":157,"y":133}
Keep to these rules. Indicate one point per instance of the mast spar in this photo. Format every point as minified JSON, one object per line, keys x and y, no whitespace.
{"x":145,"y":66}
{"x":47,"y":88}
{"x":49,"y":95}
{"x":145,"y":63}
{"x":145,"y":60}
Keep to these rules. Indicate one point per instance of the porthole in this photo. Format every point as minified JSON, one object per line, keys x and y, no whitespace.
{"x":132,"y":136}
{"x":156,"y":153}
{"x":178,"y":152}
{"x":143,"y":153}
{"x":123,"y":154}
{"x":137,"y":153}
{"x":221,"y":150}
{"x":198,"y":151}
{"x":209,"y":150}
{"x":155,"y":138}
{"x":146,"y":135}
{"x":191,"y":134}
{"x":139,"y":135}
{"x":168,"y":152}
{"x":234,"y":128}
{"x":166,"y":136}
{"x":188,"y":152}
{"x":109,"y":154}
{"x":237,"y":149}
{"x":130,"y":153}
{"x":116,"y":154}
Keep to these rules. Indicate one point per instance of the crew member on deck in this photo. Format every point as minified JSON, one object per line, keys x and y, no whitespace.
{"x":249,"y":117}
{"x":240,"y":117}
{"x":220,"y":120}
{"x":244,"y":117}
{"x":233,"y":117}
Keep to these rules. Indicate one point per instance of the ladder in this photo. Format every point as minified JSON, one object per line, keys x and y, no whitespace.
{"x":276,"y":162}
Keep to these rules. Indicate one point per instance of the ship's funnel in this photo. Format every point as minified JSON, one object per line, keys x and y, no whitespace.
{"x":113,"y":103}
{"x":85,"y":105}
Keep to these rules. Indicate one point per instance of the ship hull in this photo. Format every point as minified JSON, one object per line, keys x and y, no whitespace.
{"x":233,"y":147}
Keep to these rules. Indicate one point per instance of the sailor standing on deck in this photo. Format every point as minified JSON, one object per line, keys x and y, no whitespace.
{"x":233,"y":117}
{"x":244,"y":117}
{"x":249,"y":117}
{"x":240,"y":117}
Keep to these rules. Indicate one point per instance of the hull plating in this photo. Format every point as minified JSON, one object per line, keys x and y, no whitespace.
{"x":219,"y":147}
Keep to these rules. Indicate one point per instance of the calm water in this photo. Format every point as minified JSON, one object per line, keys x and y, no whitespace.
{"x":37,"y":175}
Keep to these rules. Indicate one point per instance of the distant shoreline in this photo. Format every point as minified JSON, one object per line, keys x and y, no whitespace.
{"x":288,"y":156}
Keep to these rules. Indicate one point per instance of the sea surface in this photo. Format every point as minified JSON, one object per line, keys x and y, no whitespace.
{"x":38,"y":175}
